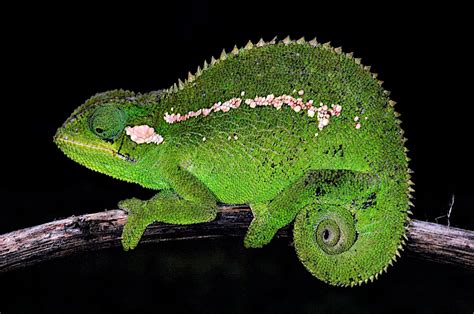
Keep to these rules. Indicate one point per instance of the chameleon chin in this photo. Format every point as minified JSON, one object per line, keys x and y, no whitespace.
{"x":299,"y":130}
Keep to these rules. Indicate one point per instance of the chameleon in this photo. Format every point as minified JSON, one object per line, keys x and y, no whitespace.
{"x":300,"y":131}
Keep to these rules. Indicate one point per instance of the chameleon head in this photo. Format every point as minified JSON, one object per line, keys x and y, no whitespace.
{"x":100,"y":135}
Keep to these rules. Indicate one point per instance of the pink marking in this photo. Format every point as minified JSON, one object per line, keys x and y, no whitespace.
{"x":143,"y":134}
{"x":323,"y":112}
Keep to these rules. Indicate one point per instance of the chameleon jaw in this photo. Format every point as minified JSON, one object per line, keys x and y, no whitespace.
{"x":65,"y":139}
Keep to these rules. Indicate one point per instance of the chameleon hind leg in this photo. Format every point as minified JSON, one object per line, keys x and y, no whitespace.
{"x":188,"y":202}
{"x":282,"y":210}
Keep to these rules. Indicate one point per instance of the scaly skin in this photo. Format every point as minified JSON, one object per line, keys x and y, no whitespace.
{"x":347,"y":187}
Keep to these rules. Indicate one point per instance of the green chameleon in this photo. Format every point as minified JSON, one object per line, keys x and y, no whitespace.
{"x":300,"y":131}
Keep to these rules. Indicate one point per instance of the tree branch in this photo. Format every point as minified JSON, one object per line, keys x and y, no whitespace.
{"x":102,"y":230}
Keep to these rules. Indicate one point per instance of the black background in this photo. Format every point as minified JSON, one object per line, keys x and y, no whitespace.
{"x":54,"y":58}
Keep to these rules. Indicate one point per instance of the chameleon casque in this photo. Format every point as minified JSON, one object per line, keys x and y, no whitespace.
{"x":298,"y":130}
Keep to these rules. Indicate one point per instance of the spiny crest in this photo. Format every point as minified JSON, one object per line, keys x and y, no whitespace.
{"x":235,"y":50}
{"x":313,"y":42}
{"x":337,"y":50}
{"x":223,"y":55}
{"x":260,"y":43}
{"x":191,"y":77}
{"x":374,"y":277}
{"x":286,"y":41}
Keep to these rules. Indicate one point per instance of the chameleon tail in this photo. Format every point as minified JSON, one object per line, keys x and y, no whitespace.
{"x":347,"y":247}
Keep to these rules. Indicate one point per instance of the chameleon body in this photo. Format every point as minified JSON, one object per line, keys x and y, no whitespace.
{"x":344,"y":182}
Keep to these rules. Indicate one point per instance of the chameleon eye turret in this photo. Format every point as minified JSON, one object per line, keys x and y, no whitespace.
{"x":107,"y":121}
{"x":300,"y":131}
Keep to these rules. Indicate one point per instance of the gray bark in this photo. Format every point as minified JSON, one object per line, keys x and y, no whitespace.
{"x":429,"y":241}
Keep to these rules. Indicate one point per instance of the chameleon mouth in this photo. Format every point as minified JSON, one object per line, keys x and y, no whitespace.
{"x":65,"y":139}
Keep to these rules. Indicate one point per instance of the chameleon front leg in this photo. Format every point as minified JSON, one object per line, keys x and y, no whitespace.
{"x":188,"y":201}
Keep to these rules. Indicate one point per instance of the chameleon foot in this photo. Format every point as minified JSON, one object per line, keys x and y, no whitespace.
{"x":136,"y":223}
{"x":259,"y":234}
{"x":166,"y":206}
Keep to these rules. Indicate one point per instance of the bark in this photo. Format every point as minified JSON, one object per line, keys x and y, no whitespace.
{"x":429,"y":241}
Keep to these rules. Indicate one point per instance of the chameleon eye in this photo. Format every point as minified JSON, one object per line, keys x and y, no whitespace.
{"x":107,"y":122}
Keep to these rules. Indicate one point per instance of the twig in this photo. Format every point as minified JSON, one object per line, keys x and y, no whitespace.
{"x":450,"y":210}
{"x":448,"y":215}
{"x":102,"y":230}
